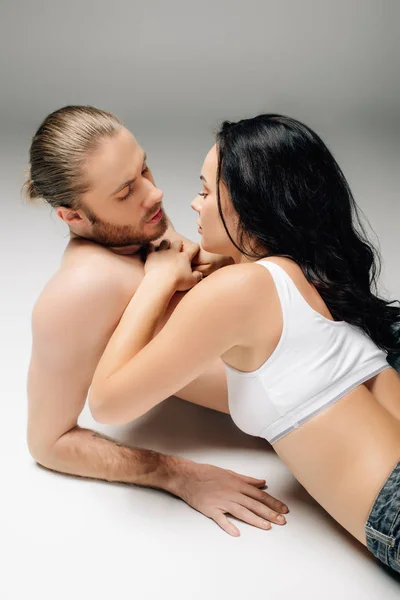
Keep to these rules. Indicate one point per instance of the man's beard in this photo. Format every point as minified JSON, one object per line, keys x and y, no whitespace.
{"x":119,"y":236}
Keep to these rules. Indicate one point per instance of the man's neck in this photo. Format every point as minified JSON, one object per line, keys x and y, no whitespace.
{"x":121,"y":250}
{"x":125,"y":250}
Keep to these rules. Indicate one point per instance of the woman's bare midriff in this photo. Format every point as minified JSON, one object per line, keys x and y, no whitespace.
{"x":344,"y":455}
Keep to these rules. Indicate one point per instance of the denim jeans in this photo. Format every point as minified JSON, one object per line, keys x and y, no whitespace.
{"x":382,"y":529}
{"x":393,"y":358}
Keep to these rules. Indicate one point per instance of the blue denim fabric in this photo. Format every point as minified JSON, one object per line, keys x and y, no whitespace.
{"x":382,"y":529}
{"x":393,"y":358}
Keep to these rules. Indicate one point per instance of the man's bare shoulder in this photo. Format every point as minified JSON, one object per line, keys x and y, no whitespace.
{"x":90,"y":280}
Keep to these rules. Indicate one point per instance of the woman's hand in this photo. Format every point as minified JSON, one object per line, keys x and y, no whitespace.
{"x":207,"y":262}
{"x":173,"y":262}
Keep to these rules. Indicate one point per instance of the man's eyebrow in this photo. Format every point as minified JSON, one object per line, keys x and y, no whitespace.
{"x":121,"y":187}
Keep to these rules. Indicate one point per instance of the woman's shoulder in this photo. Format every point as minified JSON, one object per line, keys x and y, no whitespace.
{"x":240,"y":281}
{"x":252,"y":273}
{"x":238,"y":297}
{"x":291,"y":268}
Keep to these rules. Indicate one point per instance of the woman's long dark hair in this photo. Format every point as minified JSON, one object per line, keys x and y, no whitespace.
{"x":293,"y":200}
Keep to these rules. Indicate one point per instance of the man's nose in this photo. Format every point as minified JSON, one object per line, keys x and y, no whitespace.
{"x":154,"y":196}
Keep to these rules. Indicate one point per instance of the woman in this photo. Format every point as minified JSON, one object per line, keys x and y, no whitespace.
{"x":302,"y":335}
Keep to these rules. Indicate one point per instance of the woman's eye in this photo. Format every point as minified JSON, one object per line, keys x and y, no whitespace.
{"x":145,"y":170}
{"x":203,"y":194}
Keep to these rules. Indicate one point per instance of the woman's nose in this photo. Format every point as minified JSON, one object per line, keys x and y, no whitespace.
{"x":195,"y":204}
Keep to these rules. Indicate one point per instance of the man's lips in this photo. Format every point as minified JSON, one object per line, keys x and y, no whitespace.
{"x":156,"y":216}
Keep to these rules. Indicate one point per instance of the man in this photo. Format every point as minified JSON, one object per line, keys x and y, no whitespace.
{"x":73,"y":320}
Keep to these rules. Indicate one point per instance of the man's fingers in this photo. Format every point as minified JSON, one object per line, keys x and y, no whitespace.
{"x":265,"y":498}
{"x":262,"y":510}
{"x":245,"y":515}
{"x":249,"y":480}
{"x":225,"y":524}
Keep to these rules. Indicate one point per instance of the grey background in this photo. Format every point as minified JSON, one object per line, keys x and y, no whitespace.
{"x":172,"y":71}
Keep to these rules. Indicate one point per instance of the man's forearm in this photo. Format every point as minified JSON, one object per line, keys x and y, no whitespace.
{"x":85,"y":453}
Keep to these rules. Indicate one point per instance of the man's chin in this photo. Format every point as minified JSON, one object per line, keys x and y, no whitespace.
{"x":108,"y":236}
{"x":160,"y":229}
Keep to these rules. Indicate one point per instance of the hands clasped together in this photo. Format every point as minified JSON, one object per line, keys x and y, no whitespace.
{"x":186,"y":263}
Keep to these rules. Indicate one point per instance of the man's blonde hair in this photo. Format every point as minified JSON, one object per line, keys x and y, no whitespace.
{"x":58,"y":152}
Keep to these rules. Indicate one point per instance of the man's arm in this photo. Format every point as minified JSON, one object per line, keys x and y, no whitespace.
{"x":71,"y":324}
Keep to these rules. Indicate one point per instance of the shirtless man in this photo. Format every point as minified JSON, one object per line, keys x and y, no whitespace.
{"x":93,"y":172}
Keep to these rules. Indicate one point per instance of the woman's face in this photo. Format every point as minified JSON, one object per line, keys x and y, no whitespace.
{"x":214,"y":237}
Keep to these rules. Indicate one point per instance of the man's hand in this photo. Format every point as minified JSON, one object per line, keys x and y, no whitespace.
{"x":216,"y":492}
{"x":206,"y":262}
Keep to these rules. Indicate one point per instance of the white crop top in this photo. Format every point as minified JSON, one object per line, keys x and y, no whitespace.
{"x":316,"y":362}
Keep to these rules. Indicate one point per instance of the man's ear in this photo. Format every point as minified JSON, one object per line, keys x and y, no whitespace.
{"x":69,"y":216}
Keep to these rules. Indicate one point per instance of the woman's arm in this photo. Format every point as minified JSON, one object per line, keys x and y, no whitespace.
{"x":136,"y":372}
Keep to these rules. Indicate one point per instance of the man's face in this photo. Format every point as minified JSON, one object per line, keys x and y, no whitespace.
{"x":123,"y":206}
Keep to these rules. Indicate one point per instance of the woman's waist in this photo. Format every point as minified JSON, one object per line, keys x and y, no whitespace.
{"x":343,"y":456}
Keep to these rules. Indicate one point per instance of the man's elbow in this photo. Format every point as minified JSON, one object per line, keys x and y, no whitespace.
{"x":48,"y":448}
{"x":42,"y":452}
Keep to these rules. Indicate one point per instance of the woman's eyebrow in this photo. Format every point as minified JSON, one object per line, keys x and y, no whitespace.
{"x":203,"y":178}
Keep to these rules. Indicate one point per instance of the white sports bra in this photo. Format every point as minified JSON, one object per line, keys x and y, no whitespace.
{"x":315,"y":363}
